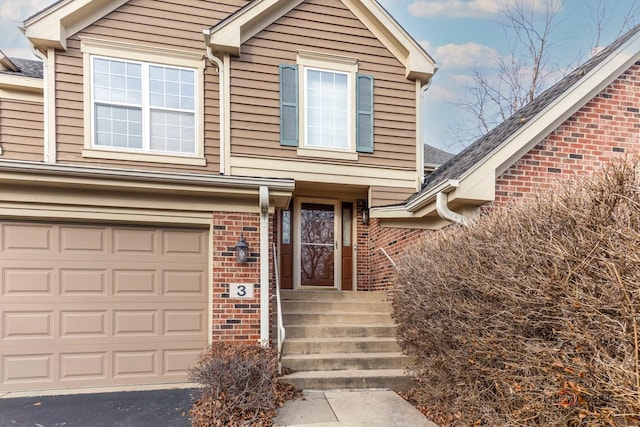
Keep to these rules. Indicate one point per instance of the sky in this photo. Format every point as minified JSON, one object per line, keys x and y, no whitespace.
{"x":459,"y":34}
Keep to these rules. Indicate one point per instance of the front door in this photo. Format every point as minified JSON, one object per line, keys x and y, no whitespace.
{"x":318,"y":244}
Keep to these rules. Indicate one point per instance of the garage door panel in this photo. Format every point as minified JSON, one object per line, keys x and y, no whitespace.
{"x":83,"y":366}
{"x":135,"y":282}
{"x":134,"y":241}
{"x":134,"y":323}
{"x":183,"y":243}
{"x":83,"y":324}
{"x":183,"y":322}
{"x":18,"y":325}
{"x":135,"y":363}
{"x":184,"y":282}
{"x":82,"y":282}
{"x":177,"y":361}
{"x":83,"y":240}
{"x":21,"y":280}
{"x":20,"y":238}
{"x":90,"y":305}
{"x":24,"y":368}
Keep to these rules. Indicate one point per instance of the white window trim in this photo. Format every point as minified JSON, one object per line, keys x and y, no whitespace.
{"x":331,"y":63}
{"x":154,"y":55}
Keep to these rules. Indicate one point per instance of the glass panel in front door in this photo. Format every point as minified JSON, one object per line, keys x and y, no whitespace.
{"x":317,"y":244}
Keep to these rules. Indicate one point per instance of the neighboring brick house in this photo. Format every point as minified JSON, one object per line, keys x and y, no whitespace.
{"x":576,"y":126}
{"x":158,"y":136}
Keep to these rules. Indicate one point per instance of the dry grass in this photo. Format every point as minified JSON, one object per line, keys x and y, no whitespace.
{"x":532,"y":316}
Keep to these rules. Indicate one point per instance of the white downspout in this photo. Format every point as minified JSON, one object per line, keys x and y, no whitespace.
{"x":45,"y":105}
{"x":442,"y":207}
{"x":264,"y":266}
{"x":217,"y":62}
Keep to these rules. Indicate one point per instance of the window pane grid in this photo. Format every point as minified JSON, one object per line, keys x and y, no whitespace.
{"x":144,"y":107}
{"x":327,"y":109}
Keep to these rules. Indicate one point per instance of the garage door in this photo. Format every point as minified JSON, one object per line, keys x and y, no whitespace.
{"x":90,"y":306}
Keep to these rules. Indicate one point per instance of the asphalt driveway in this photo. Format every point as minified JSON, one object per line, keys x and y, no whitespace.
{"x":157,"y":408}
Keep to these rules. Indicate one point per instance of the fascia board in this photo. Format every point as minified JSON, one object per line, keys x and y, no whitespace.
{"x":30,"y":84}
{"x":230,"y":34}
{"x":418,"y":64}
{"x":539,"y":127}
{"x":135,"y":179}
{"x":51,"y":27}
{"x":421,"y":206}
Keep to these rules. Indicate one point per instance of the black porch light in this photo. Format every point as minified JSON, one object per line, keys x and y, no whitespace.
{"x":242,"y":249}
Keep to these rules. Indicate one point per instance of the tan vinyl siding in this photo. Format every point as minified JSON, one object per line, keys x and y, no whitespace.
{"x":322,"y":26}
{"x":22,"y":124}
{"x":386,"y":196}
{"x":168,"y":24}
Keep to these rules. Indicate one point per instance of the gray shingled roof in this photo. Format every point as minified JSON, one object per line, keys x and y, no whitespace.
{"x":27,"y":67}
{"x":435,"y":156}
{"x":466,"y":159}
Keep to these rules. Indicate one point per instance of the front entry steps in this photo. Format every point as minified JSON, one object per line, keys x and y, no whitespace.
{"x":341,"y":340}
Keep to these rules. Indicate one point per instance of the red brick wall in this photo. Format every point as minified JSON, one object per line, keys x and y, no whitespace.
{"x":607,"y":127}
{"x":236,"y":319}
{"x":395,"y":241}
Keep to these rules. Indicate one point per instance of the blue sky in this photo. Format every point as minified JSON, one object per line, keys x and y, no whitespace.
{"x":458,"y":34}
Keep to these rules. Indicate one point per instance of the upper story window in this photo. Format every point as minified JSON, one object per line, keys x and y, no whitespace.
{"x":141,"y":106}
{"x":143,"y":103}
{"x":327,"y":112}
{"x":326,"y":106}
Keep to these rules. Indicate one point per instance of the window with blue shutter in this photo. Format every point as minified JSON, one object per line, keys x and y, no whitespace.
{"x":364,"y":113}
{"x":289,"y":114}
{"x":324,"y":98}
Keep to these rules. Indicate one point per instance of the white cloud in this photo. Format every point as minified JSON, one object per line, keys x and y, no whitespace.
{"x":12,"y":14}
{"x":439,"y":93}
{"x":470,"y":8}
{"x":454,"y":56}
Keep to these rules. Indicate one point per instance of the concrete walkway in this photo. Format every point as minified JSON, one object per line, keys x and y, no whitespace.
{"x":350,"y":408}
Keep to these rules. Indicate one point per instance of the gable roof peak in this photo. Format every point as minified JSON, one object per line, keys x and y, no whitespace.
{"x":227,"y":36}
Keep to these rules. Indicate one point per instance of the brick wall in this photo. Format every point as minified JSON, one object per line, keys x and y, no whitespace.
{"x":236,"y":319}
{"x":395,"y":241}
{"x":607,"y":127}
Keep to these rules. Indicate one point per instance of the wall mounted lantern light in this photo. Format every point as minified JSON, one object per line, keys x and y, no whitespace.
{"x":242,"y":249}
{"x":365,"y":216}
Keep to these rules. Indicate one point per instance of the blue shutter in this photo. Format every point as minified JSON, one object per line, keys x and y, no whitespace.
{"x":289,"y":105}
{"x":364,"y":113}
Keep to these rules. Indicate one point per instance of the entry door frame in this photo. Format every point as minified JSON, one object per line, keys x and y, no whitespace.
{"x":337,"y":244}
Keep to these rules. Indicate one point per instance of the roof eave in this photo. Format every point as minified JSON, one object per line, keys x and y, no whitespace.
{"x":50,"y":28}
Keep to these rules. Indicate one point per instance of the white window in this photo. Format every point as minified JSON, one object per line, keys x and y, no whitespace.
{"x":143,"y":107}
{"x":327,"y":109}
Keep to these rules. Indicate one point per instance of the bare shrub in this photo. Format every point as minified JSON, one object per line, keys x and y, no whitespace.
{"x":530,"y":317}
{"x":238,"y":386}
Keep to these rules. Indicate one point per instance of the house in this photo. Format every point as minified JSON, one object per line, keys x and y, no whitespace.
{"x":576,"y":126}
{"x":161,"y":151}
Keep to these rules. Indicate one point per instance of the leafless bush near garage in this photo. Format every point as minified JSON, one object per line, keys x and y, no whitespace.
{"x":532,"y":316}
{"x":238,"y":386}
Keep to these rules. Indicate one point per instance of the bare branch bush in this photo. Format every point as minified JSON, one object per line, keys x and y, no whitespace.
{"x":238,"y":386}
{"x":531,"y":317}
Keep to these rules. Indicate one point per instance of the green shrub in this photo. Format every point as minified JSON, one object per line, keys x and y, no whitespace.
{"x":239,"y":386}
{"x":531,"y":317}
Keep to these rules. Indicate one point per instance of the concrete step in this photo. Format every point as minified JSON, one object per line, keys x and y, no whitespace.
{"x":393,"y":379}
{"x":336,"y":318}
{"x":344,"y":330}
{"x":346,"y":361}
{"x":333,"y":295}
{"x":310,"y":306}
{"x":340,"y":345}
